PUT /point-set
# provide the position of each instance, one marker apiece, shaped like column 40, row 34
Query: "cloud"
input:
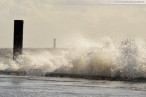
column 79, row 2
column 43, row 21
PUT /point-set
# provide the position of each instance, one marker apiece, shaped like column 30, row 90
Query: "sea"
column 125, row 62
column 32, row 86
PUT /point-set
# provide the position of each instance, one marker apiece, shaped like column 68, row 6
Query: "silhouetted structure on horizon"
column 54, row 43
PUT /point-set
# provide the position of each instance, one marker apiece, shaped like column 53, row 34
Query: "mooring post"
column 18, row 38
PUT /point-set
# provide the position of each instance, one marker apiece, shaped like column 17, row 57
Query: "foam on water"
column 126, row 60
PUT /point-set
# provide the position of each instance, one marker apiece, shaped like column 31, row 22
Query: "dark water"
column 14, row 86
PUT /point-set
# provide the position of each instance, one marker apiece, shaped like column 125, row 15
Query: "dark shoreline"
column 71, row 75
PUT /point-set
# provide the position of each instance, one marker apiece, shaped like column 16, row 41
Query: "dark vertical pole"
column 54, row 45
column 18, row 38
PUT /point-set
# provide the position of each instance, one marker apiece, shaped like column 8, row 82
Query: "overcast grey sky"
column 70, row 24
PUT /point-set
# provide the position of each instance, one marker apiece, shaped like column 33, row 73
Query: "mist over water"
column 127, row 59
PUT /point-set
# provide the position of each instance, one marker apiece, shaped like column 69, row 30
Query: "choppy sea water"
column 28, row 86
column 127, row 61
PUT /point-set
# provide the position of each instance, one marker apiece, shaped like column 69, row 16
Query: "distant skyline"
column 71, row 25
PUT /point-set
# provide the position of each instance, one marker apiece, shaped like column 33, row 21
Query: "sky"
column 71, row 22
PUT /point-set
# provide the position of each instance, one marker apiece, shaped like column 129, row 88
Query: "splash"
column 127, row 60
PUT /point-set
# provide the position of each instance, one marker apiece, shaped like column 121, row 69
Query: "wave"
column 128, row 60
